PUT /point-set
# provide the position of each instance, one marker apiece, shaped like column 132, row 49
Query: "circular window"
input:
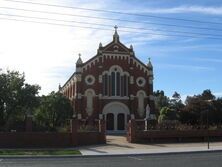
column 89, row 79
column 140, row 81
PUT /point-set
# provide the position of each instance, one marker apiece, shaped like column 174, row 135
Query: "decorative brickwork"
column 114, row 77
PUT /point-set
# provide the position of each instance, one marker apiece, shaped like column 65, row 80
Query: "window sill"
column 116, row 97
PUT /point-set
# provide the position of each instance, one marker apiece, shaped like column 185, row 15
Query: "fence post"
column 74, row 132
column 131, row 134
column 102, row 130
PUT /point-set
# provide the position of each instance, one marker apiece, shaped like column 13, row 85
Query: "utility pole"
column 208, row 140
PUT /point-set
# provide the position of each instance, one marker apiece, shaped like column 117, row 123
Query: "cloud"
column 218, row 94
column 183, row 9
column 212, row 60
column 46, row 53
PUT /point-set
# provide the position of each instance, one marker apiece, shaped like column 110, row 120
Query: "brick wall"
column 34, row 139
column 53, row 139
column 137, row 136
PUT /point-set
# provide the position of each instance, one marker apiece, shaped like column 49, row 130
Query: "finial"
column 149, row 63
column 79, row 61
column 100, row 44
column 116, row 28
column 116, row 36
column 60, row 86
column 131, row 47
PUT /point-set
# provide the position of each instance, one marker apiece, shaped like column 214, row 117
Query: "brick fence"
column 138, row 136
column 53, row 139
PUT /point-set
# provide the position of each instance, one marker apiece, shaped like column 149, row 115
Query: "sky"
column 182, row 38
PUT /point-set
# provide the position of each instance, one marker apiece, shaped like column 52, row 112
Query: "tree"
column 16, row 99
column 160, row 100
column 207, row 95
column 53, row 111
column 216, row 115
column 198, row 107
column 176, row 102
column 167, row 113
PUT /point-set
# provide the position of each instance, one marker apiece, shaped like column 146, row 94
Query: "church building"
column 113, row 85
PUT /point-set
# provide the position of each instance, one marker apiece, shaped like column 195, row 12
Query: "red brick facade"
column 113, row 85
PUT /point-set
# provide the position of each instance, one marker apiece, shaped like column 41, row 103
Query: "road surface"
column 209, row 159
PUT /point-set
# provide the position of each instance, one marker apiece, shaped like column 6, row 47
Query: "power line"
column 115, row 12
column 106, row 29
column 107, row 25
column 114, row 19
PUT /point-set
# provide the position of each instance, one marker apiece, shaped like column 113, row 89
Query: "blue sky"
column 47, row 53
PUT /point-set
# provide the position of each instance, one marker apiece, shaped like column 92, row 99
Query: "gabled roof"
column 117, row 47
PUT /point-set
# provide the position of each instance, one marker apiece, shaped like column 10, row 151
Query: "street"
column 166, row 160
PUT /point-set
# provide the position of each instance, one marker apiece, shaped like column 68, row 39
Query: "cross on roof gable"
column 115, row 47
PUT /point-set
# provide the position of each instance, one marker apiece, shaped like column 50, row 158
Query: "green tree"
column 167, row 113
column 160, row 100
column 207, row 95
column 198, row 107
column 53, row 111
column 16, row 99
column 176, row 102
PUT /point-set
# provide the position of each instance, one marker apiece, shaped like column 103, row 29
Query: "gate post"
column 102, row 131
column 131, row 131
column 74, row 132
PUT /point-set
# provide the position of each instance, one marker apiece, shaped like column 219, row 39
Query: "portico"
column 115, row 114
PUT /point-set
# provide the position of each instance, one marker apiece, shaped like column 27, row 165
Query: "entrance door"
column 121, row 121
column 116, row 116
column 110, row 121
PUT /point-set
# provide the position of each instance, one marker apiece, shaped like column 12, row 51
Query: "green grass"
column 40, row 152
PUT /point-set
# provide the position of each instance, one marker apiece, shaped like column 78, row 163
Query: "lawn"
column 39, row 152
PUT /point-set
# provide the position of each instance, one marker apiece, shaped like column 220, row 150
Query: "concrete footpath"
column 117, row 145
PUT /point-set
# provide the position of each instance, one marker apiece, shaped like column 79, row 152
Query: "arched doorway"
column 121, row 122
column 116, row 116
column 110, row 121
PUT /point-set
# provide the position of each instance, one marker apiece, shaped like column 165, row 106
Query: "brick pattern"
column 53, row 139
column 115, row 53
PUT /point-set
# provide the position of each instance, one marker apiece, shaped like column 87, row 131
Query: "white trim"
column 119, row 69
column 141, row 106
column 143, row 81
column 92, row 77
column 90, row 90
column 79, row 116
column 125, row 111
column 151, row 97
column 100, row 78
column 151, row 80
column 79, row 95
column 116, row 97
column 141, row 91
column 89, row 101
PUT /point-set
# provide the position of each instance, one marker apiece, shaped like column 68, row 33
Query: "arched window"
column 115, row 82
column 141, row 108
column 125, row 85
column 105, row 85
column 89, row 101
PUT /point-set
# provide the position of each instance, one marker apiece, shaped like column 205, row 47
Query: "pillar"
column 131, row 133
column 74, row 132
column 102, row 130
